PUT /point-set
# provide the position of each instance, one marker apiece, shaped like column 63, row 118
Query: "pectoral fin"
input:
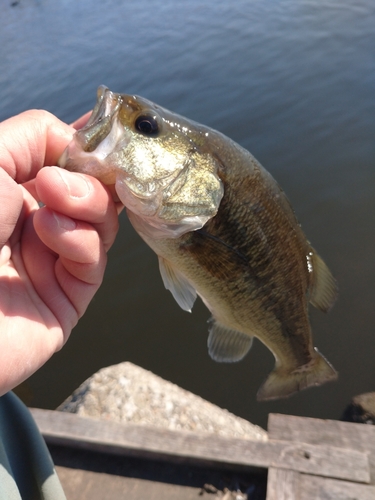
column 323, row 291
column 226, row 345
column 174, row 281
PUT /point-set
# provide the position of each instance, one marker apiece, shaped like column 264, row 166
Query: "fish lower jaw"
column 89, row 166
column 76, row 160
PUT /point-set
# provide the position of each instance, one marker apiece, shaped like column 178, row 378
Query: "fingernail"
column 76, row 184
column 64, row 222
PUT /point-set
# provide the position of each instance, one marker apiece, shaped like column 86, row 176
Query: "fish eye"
column 147, row 125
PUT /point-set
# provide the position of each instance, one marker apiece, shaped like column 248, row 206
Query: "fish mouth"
column 98, row 139
column 101, row 121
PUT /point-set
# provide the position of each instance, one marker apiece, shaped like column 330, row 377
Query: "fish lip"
column 100, row 94
column 91, row 146
column 101, row 122
column 105, row 100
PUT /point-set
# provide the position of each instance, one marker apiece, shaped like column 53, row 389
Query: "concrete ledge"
column 130, row 394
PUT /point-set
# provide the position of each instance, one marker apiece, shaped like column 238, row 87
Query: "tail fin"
column 281, row 384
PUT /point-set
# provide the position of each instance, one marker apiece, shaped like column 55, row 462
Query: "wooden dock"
column 303, row 459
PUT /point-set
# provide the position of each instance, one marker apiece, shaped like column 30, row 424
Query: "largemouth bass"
column 222, row 228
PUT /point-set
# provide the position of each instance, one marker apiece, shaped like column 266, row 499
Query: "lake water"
column 293, row 81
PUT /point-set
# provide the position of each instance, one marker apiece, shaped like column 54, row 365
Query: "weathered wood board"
column 314, row 487
column 293, row 485
column 306, row 459
column 283, row 484
column 345, row 435
column 209, row 449
column 87, row 474
column 88, row 485
column 290, row 485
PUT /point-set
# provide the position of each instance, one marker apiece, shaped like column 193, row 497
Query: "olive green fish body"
column 222, row 228
column 249, row 264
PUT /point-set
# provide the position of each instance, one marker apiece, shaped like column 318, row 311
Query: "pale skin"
column 52, row 259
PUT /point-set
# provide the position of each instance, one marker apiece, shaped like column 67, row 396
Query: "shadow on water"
column 293, row 82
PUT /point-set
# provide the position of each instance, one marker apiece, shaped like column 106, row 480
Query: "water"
column 292, row 81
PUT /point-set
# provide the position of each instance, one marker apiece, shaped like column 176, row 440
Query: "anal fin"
column 323, row 291
column 227, row 345
column 174, row 281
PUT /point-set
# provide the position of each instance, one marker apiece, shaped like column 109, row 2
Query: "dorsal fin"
column 227, row 345
column 174, row 281
column 323, row 290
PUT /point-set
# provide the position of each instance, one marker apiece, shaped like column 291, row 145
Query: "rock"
column 361, row 409
column 129, row 393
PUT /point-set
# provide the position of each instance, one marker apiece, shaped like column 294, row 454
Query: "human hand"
column 52, row 259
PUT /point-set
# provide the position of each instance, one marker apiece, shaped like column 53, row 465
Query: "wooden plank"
column 314, row 487
column 87, row 485
column 283, row 484
column 344, row 435
column 134, row 440
column 291, row 485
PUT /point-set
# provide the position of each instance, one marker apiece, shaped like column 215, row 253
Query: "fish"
column 222, row 228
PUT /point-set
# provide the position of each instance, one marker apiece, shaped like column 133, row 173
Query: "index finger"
column 30, row 141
